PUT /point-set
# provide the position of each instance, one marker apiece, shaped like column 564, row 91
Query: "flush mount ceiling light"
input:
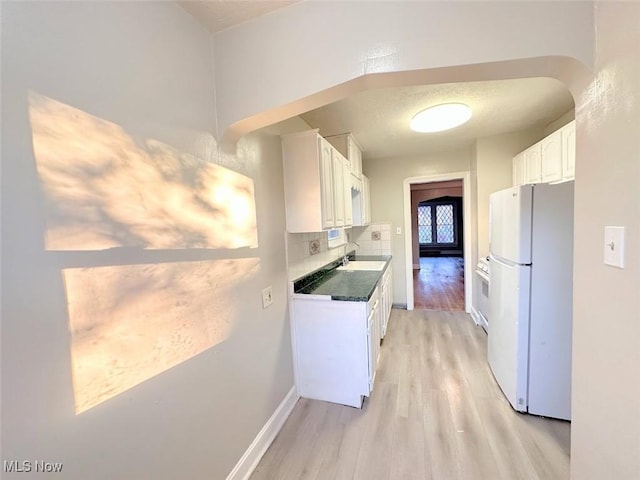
column 441, row 117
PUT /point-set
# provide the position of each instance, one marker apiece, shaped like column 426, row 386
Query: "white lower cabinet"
column 335, row 349
column 373, row 336
column 386, row 297
column 336, row 345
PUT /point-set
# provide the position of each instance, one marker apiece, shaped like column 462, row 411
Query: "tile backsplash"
column 372, row 240
column 307, row 252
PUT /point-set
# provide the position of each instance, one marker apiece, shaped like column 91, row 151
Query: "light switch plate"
column 614, row 246
column 398, row 231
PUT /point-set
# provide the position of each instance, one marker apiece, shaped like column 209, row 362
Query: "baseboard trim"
column 249, row 461
column 479, row 319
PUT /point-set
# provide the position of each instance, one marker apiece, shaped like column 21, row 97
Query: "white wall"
column 560, row 122
column 386, row 176
column 302, row 51
column 147, row 68
column 494, row 172
column 605, row 440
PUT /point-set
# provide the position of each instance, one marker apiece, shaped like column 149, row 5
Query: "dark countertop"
column 344, row 285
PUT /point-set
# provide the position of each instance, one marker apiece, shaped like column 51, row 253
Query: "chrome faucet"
column 345, row 260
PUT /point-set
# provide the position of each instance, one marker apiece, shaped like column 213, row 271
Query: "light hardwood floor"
column 439, row 284
column 435, row 413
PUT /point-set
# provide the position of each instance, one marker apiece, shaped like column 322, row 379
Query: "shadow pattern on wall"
column 102, row 191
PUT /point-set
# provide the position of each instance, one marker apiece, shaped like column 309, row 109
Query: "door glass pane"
column 424, row 224
column 444, row 223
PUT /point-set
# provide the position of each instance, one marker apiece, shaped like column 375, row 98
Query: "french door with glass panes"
column 437, row 223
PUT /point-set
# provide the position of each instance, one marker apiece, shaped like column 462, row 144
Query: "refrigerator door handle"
column 505, row 262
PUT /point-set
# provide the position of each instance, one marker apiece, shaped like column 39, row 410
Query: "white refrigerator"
column 531, row 290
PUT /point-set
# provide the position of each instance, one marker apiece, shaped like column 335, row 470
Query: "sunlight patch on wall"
column 130, row 323
column 103, row 189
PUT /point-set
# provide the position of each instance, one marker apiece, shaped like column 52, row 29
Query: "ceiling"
column 379, row 118
column 218, row 15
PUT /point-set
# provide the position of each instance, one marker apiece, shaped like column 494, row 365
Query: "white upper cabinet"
column 314, row 183
column 348, row 206
column 518, row 169
column 366, row 201
column 355, row 157
column 550, row 160
column 533, row 165
column 569, row 151
column 327, row 197
column 357, row 190
column 361, row 202
column 551, row 157
column 346, row 144
column 337, row 166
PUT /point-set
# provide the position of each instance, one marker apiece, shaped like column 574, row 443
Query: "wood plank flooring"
column 439, row 284
column 435, row 413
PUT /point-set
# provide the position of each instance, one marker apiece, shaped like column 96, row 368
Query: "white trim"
column 249, row 461
column 408, row 247
column 479, row 319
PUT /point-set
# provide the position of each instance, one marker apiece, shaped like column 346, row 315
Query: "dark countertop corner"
column 343, row 285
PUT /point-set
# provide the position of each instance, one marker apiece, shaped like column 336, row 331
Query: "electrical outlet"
column 267, row 297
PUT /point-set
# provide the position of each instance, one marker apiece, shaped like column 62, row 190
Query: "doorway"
column 438, row 266
column 437, row 244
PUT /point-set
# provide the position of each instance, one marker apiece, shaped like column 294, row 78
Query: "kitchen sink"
column 371, row 265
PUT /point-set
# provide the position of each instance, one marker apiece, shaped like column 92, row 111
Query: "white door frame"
column 466, row 231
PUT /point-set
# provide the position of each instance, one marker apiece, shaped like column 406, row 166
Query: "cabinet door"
column 569, row 151
column 371, row 344
column 326, row 184
column 355, row 157
column 366, row 201
column 551, row 157
column 532, row 162
column 356, row 202
column 518, row 169
column 389, row 298
column 348, row 206
column 337, row 167
column 377, row 312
